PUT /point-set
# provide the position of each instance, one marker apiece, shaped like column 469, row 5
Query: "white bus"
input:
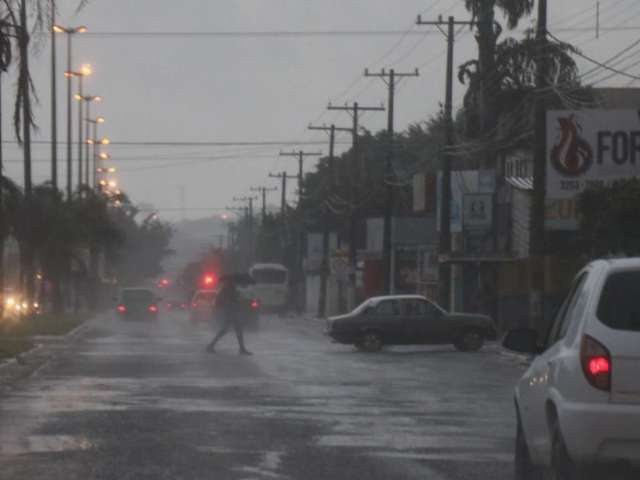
column 271, row 285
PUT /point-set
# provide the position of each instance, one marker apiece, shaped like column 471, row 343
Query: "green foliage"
column 45, row 324
column 269, row 242
column 514, row 10
column 144, row 245
column 511, row 85
column 356, row 184
column 359, row 179
column 610, row 219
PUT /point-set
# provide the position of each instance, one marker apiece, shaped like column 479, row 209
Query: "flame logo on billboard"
column 572, row 155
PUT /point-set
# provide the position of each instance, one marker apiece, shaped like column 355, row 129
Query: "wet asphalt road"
column 143, row 401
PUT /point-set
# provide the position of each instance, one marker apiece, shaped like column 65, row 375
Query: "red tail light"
column 596, row 363
column 153, row 308
column 255, row 304
column 122, row 309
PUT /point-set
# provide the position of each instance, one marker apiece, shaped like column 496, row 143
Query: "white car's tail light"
column 596, row 363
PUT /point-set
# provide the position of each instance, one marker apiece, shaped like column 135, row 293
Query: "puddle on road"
column 45, row 444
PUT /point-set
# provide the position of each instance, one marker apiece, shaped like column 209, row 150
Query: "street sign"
column 477, row 210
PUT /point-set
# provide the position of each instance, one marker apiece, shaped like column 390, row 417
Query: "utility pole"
column 331, row 130
column 357, row 174
column 389, row 78
column 231, row 241
column 300, row 155
column 445, row 185
column 537, row 225
column 182, row 195
column 249, row 201
column 263, row 191
column 354, row 110
column 283, row 212
column 326, row 227
column 300, row 283
column 283, row 200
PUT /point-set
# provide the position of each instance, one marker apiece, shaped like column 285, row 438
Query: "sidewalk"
column 45, row 347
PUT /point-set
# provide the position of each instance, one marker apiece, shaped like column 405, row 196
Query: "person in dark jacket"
column 227, row 308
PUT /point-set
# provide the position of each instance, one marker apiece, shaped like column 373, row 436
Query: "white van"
column 271, row 285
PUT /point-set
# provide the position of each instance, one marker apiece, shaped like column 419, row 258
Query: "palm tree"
column 5, row 61
column 15, row 33
column 484, row 12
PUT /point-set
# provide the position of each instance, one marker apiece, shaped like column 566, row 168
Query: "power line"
column 596, row 62
column 265, row 143
column 124, row 35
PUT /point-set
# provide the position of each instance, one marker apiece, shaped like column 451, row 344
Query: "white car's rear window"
column 619, row 306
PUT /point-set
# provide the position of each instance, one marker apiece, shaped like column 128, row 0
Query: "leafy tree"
column 269, row 240
column 146, row 244
column 489, row 30
column 513, row 89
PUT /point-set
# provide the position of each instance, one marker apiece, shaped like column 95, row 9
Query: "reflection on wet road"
column 143, row 400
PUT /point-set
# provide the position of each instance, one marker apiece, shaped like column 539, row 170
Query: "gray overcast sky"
column 258, row 89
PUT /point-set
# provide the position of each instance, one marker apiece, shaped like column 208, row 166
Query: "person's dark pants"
column 230, row 321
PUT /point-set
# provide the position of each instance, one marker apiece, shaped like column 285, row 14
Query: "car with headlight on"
column 409, row 320
column 578, row 404
column 16, row 306
column 137, row 304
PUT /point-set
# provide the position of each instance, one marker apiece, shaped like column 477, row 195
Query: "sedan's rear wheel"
column 370, row 342
column 470, row 340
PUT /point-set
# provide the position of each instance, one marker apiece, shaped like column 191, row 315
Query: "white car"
column 578, row 404
column 202, row 305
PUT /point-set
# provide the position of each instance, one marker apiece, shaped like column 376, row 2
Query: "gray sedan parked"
column 409, row 320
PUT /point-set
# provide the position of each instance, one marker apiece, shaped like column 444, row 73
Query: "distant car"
column 176, row 305
column 16, row 307
column 137, row 304
column 409, row 320
column 201, row 309
column 578, row 404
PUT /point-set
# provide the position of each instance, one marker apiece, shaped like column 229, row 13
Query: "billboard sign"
column 590, row 148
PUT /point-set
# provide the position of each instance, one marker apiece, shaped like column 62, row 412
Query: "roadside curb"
column 40, row 342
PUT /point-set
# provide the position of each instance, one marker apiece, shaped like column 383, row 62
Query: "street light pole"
column 69, row 122
column 69, row 75
column 88, row 99
column 94, row 166
column 54, row 103
column 80, row 129
column 88, row 133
